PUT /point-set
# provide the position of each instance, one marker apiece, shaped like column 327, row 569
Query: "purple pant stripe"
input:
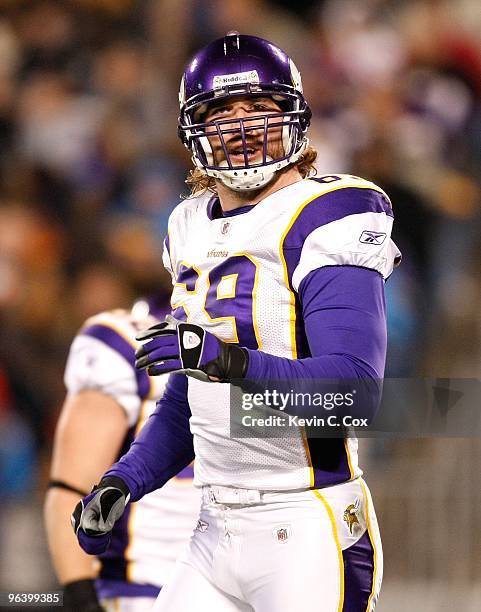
column 115, row 341
column 111, row 589
column 358, row 575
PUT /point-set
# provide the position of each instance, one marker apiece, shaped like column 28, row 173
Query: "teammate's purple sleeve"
column 164, row 445
column 344, row 321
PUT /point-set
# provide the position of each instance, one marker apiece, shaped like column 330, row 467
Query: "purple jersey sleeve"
column 163, row 447
column 344, row 322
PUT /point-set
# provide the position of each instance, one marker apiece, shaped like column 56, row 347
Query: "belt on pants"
column 230, row 495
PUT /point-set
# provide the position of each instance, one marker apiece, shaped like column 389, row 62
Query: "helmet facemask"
column 245, row 133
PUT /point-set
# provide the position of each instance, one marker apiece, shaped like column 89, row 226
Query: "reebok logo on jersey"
column 371, row 237
column 190, row 340
column 202, row 526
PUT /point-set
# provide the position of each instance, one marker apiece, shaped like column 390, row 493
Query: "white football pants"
column 316, row 550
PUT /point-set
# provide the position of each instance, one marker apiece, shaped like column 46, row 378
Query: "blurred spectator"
column 56, row 126
column 17, row 456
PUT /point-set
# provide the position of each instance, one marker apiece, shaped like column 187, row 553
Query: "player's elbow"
column 360, row 382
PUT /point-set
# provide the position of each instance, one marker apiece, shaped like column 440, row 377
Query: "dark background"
column 90, row 168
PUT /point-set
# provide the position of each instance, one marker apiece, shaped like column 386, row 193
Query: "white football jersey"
column 238, row 277
column 153, row 531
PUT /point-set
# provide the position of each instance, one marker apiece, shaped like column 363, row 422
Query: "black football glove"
column 81, row 595
column 185, row 347
column 95, row 515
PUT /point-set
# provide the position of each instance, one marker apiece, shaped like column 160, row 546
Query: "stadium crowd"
column 90, row 168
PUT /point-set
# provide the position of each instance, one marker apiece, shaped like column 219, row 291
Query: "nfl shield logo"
column 225, row 228
column 282, row 533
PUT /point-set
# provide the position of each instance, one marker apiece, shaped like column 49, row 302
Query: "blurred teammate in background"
column 107, row 404
column 279, row 277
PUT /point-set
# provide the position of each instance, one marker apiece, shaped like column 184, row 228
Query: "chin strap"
column 247, row 179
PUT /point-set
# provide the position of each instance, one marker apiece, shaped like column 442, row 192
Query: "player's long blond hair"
column 199, row 182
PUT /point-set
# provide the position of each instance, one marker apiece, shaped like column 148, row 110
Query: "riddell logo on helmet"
column 221, row 80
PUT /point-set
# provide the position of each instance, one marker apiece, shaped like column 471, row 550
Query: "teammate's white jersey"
column 153, row 531
column 238, row 277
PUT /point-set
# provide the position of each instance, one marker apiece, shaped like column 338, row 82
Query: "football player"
column 276, row 276
column 107, row 404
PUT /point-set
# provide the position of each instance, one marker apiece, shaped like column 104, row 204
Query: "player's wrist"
column 117, row 483
column 254, row 365
column 238, row 362
column 81, row 595
column 230, row 365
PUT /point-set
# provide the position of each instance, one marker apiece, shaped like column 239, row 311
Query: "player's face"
column 254, row 130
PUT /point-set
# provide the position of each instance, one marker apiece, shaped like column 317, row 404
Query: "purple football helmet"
column 153, row 305
column 240, row 65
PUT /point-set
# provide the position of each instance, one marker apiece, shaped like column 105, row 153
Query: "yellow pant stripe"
column 338, row 546
column 373, row 544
